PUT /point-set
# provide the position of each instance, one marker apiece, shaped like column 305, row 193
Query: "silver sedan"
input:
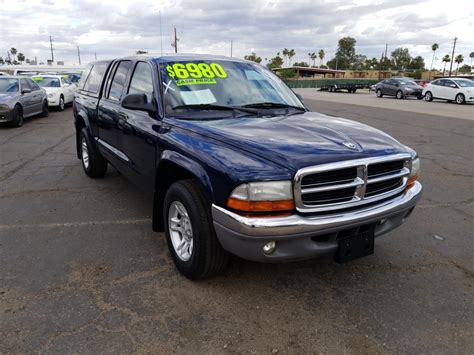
column 20, row 98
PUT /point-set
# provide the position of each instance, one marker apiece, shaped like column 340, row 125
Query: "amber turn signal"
column 411, row 182
column 260, row 206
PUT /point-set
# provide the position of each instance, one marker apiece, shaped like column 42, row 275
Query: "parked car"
column 237, row 165
column 60, row 90
column 459, row 90
column 21, row 98
column 399, row 87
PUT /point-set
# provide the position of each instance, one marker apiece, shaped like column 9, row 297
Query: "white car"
column 459, row 90
column 59, row 89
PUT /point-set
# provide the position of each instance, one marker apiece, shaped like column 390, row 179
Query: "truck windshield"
column 220, row 85
column 8, row 85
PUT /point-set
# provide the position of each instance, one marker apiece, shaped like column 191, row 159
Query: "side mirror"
column 25, row 90
column 138, row 102
column 453, row 85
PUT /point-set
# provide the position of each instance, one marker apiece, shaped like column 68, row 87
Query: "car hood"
column 5, row 97
column 51, row 90
column 301, row 140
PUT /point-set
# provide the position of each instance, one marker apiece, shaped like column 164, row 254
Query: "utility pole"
column 79, row 55
column 36, row 61
column 452, row 56
column 52, row 54
column 231, row 47
column 175, row 42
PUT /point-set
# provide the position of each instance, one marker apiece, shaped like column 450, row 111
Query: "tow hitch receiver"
column 356, row 245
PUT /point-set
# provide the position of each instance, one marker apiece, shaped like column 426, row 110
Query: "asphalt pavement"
column 81, row 270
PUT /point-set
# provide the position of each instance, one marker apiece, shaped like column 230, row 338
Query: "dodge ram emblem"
column 350, row 145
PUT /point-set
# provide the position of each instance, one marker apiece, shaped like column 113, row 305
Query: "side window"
column 84, row 76
column 64, row 82
column 449, row 83
column 118, row 82
column 142, row 81
column 95, row 78
column 24, row 84
column 33, row 85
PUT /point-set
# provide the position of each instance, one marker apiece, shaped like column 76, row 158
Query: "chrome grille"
column 350, row 183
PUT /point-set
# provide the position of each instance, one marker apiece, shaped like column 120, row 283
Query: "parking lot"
column 81, row 270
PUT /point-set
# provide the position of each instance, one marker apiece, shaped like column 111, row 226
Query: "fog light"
column 269, row 247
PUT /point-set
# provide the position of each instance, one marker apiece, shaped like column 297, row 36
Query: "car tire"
column 428, row 96
column 378, row 93
column 45, row 110
column 17, row 116
column 399, row 95
column 61, row 105
column 190, row 235
column 94, row 164
column 460, row 99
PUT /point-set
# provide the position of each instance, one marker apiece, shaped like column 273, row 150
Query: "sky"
column 114, row 28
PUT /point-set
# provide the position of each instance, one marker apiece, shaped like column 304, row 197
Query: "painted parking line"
column 75, row 224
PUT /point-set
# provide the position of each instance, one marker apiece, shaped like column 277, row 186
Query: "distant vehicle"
column 422, row 83
column 399, row 87
column 20, row 98
column 60, row 90
column 459, row 90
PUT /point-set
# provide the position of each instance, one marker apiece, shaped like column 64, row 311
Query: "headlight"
column 414, row 172
column 267, row 196
column 52, row 94
column 4, row 107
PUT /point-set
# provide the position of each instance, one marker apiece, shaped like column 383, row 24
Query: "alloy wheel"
column 180, row 230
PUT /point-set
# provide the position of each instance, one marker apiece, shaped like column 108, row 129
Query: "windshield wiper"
column 271, row 105
column 215, row 107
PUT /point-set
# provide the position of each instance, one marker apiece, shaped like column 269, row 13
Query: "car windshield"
column 465, row 83
column 8, row 85
column 45, row 82
column 220, row 85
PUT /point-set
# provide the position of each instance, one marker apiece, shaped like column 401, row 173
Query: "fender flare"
column 81, row 116
column 191, row 167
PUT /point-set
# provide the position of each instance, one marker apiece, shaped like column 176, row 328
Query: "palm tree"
column 446, row 59
column 321, row 56
column 13, row 52
column 21, row 58
column 434, row 48
column 459, row 59
column 291, row 54
column 285, row 53
column 313, row 57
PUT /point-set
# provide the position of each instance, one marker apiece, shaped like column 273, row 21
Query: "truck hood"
column 301, row 140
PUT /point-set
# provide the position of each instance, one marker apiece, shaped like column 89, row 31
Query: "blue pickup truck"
column 236, row 164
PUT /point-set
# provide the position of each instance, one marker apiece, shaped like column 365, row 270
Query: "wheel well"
column 167, row 173
column 80, row 124
column 19, row 105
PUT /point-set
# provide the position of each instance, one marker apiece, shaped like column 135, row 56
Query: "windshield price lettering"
column 196, row 71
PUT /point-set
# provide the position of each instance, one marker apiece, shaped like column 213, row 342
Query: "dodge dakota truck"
column 236, row 164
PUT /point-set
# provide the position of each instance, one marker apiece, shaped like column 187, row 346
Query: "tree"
column 434, row 48
column 465, row 69
column 141, row 52
column 2, row 61
column 253, row 57
column 287, row 73
column 417, row 63
column 291, row 53
column 13, row 51
column 446, row 59
column 300, row 64
column 458, row 60
column 275, row 62
column 345, row 54
column 401, row 58
column 358, row 63
column 321, row 56
column 285, row 52
column 471, row 55
column 21, row 57
column 371, row 63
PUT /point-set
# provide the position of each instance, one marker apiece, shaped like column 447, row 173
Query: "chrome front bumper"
column 295, row 234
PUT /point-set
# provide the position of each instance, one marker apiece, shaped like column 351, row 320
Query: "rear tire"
column 201, row 254
column 379, row 93
column 428, row 96
column 17, row 119
column 61, row 105
column 460, row 99
column 94, row 164
column 45, row 110
column 399, row 95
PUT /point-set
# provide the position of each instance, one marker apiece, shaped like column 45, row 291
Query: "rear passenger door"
column 110, row 115
column 139, row 129
column 37, row 96
column 26, row 99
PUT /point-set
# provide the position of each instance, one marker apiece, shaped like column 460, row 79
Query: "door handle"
column 124, row 126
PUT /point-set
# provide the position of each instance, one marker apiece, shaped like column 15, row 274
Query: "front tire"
column 460, row 99
column 61, row 105
column 399, row 95
column 379, row 93
column 94, row 164
column 17, row 119
column 190, row 234
column 428, row 96
column 45, row 110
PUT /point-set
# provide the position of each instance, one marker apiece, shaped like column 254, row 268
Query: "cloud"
column 117, row 28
